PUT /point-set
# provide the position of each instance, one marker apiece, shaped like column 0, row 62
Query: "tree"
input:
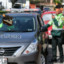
column 57, row 1
column 36, row 1
column 13, row 2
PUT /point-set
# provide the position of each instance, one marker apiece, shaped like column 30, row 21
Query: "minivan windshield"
column 20, row 24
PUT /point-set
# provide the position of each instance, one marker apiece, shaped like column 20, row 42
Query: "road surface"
column 50, row 55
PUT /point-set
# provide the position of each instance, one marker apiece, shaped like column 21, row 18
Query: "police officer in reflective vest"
column 57, row 25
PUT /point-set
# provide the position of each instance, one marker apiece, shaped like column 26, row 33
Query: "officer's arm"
column 63, row 20
column 49, row 24
column 44, row 28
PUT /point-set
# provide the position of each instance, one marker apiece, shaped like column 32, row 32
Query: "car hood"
column 16, row 39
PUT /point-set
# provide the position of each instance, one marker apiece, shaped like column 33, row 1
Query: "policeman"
column 57, row 25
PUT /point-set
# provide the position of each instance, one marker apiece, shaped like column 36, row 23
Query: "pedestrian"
column 57, row 25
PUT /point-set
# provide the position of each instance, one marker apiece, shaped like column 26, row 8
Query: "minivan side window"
column 40, row 22
column 39, row 25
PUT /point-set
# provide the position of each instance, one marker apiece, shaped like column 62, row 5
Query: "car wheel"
column 41, row 59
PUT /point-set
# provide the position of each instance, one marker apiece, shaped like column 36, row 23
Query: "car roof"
column 48, row 12
column 21, row 14
column 31, row 9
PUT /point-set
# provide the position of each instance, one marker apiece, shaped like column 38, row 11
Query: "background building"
column 21, row 1
column 25, row 3
column 43, row 3
column 6, row 3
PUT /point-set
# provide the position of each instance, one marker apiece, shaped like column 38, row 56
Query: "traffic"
column 26, row 33
column 21, row 38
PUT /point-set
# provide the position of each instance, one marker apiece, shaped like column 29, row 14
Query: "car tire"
column 41, row 59
column 44, row 50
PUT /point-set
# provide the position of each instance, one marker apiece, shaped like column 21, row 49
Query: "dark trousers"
column 57, row 41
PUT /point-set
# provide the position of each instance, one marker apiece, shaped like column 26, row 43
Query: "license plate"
column 3, row 60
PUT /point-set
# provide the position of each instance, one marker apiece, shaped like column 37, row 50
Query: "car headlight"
column 32, row 47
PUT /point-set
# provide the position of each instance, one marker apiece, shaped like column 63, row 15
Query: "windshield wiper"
column 26, row 31
column 11, row 31
column 15, row 31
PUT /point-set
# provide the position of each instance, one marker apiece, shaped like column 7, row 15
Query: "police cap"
column 58, row 6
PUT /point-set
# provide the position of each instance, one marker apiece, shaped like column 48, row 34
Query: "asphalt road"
column 50, row 55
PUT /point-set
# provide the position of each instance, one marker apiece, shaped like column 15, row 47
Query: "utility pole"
column 63, row 1
column 51, row 1
column 6, row 3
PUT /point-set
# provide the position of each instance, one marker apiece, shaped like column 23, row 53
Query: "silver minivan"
column 21, row 39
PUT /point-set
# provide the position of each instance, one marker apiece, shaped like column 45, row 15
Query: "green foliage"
column 57, row 1
column 3, row 12
column 35, row 1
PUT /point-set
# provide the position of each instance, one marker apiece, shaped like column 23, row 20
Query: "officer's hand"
column 44, row 28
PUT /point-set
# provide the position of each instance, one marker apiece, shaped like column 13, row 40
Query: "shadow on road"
column 49, row 56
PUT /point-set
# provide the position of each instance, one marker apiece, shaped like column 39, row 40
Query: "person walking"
column 57, row 25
